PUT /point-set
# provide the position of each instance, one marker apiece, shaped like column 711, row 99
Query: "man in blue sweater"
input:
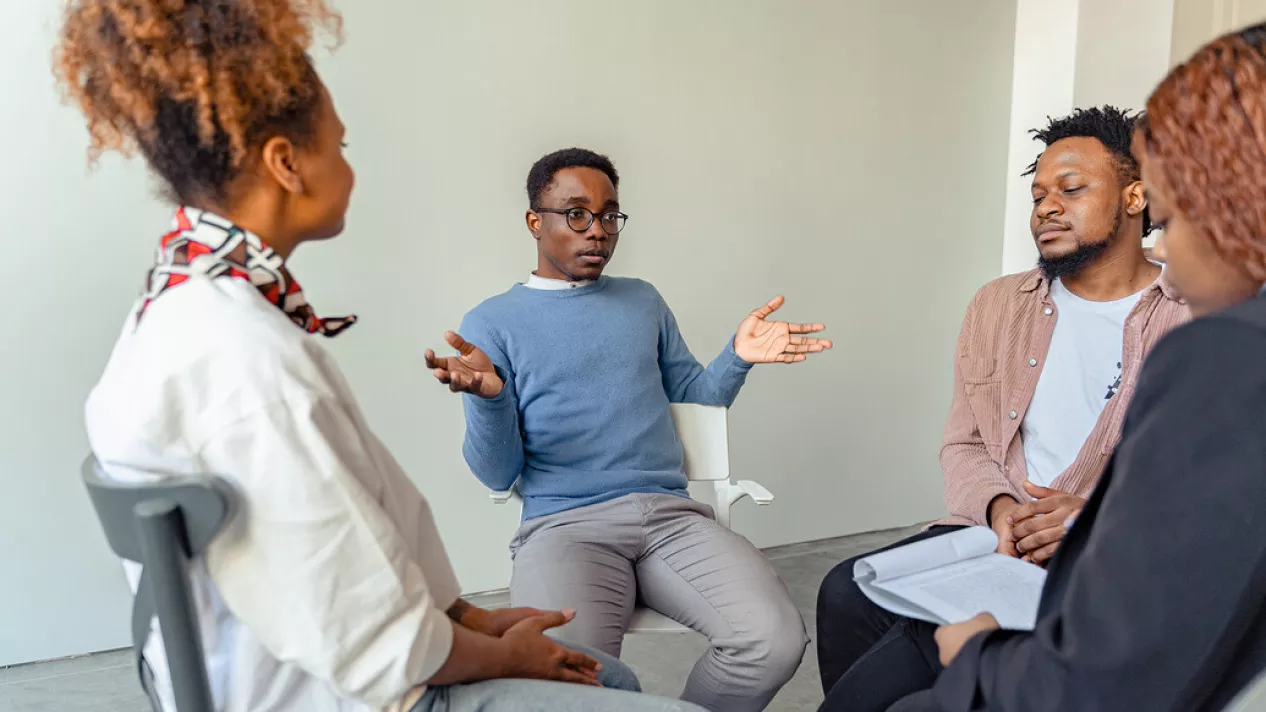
column 568, row 379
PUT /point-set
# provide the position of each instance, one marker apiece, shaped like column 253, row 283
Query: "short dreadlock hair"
column 1112, row 127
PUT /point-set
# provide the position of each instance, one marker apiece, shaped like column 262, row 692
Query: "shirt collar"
column 1168, row 289
column 1032, row 281
column 1035, row 280
column 544, row 283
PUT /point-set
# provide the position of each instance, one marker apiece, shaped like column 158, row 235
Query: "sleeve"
column 1174, row 565
column 493, row 446
column 425, row 537
column 972, row 478
column 685, row 379
column 312, row 565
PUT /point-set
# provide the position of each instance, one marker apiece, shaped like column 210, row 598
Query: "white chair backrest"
column 704, row 434
column 1251, row 698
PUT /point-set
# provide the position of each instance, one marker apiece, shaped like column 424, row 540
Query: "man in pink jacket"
column 1046, row 363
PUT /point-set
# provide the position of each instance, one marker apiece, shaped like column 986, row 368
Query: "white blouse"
column 328, row 590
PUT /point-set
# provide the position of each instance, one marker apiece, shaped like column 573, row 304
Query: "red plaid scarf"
column 206, row 244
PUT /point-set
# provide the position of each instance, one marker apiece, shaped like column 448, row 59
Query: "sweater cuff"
column 735, row 360
column 501, row 400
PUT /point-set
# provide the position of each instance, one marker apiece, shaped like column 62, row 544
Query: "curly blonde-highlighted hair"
column 1204, row 138
column 193, row 85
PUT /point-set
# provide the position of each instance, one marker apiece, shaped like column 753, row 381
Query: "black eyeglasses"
column 579, row 219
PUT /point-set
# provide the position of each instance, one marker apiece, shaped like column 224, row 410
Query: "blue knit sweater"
column 589, row 374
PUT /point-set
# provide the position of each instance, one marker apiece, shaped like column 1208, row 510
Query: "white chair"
column 705, row 441
column 1251, row 698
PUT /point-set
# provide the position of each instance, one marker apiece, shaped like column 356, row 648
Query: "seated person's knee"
column 839, row 593
column 775, row 647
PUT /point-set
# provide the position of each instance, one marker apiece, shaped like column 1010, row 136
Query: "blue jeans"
column 620, row 692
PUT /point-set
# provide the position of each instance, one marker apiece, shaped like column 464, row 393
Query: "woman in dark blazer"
column 1156, row 599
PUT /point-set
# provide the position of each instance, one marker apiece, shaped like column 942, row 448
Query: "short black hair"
column 1112, row 127
column 544, row 170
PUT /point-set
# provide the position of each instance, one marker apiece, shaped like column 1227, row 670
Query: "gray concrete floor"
column 106, row 682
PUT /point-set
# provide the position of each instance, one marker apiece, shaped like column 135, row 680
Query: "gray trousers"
column 669, row 554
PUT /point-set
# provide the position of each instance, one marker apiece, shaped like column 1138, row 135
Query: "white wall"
column 73, row 243
column 845, row 154
column 1123, row 51
column 1041, row 86
column 1075, row 53
column 1198, row 21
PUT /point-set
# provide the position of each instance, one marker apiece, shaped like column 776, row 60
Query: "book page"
column 926, row 554
column 1008, row 588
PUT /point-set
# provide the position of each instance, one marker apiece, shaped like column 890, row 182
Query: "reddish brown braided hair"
column 1205, row 137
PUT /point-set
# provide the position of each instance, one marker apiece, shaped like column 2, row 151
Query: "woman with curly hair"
column 331, row 589
column 1157, row 599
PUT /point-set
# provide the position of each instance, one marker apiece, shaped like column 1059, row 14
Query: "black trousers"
column 869, row 658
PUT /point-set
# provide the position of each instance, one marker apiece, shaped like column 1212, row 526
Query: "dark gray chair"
column 164, row 526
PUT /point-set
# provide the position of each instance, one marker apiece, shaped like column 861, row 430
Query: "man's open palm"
column 762, row 341
column 470, row 371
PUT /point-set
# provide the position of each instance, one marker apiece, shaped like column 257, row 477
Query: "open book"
column 953, row 577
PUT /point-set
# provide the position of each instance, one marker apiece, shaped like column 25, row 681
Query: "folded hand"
column 1039, row 526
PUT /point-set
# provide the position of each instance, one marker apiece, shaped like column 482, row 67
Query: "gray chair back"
column 164, row 526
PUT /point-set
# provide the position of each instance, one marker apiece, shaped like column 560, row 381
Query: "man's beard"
column 1084, row 254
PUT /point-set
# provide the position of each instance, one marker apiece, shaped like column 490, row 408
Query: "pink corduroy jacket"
column 1001, row 351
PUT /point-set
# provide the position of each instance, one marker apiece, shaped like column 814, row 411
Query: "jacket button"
column 1012, row 415
column 1032, row 363
column 1048, row 311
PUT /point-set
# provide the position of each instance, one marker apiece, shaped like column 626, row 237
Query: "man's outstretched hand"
column 762, row 341
column 470, row 371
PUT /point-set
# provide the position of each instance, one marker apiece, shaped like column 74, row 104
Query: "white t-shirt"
column 328, row 591
column 1082, row 372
